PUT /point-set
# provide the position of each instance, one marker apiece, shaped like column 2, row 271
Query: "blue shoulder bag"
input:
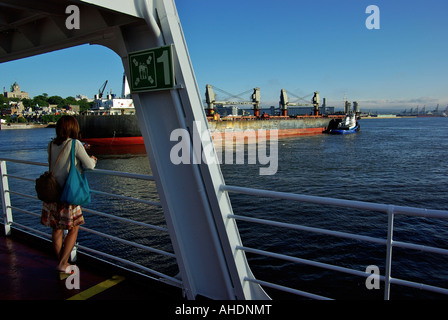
column 76, row 190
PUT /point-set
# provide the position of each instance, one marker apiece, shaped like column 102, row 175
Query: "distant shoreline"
column 388, row 117
column 24, row 126
column 399, row 117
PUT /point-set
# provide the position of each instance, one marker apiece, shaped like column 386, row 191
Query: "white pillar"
column 204, row 239
column 6, row 201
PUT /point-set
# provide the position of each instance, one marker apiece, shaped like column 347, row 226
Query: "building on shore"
column 16, row 92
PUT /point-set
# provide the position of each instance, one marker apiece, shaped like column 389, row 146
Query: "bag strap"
column 72, row 154
column 60, row 153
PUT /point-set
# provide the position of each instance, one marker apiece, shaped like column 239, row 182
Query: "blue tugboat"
column 347, row 125
column 343, row 126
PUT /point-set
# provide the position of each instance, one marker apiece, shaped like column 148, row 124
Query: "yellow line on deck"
column 100, row 287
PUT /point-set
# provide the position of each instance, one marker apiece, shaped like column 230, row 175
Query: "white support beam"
column 205, row 240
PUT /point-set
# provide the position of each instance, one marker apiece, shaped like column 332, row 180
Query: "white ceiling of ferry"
column 30, row 27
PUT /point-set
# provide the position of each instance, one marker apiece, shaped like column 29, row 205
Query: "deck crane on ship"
column 284, row 103
column 210, row 99
column 101, row 90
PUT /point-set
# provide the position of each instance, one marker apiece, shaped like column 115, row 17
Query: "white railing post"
column 6, row 201
column 390, row 230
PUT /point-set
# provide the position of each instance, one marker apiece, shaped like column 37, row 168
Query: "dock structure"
column 148, row 37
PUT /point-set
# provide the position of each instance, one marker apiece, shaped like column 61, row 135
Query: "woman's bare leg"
column 57, row 237
column 69, row 243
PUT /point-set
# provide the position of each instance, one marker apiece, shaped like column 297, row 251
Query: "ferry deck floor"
column 27, row 272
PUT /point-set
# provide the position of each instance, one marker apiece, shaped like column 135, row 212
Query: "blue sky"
column 300, row 46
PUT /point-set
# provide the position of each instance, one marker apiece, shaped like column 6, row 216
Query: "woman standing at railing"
column 62, row 216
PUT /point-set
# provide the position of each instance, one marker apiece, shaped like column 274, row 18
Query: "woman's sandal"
column 63, row 274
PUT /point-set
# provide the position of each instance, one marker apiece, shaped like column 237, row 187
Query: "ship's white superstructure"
column 115, row 106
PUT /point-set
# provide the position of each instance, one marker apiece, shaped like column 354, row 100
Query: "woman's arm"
column 87, row 162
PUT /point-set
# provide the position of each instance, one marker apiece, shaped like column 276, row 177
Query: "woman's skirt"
column 58, row 215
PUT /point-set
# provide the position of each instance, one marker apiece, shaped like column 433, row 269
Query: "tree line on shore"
column 39, row 102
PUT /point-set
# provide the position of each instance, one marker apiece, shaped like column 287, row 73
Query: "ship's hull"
column 124, row 129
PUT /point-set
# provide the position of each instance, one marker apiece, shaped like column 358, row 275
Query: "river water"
column 391, row 161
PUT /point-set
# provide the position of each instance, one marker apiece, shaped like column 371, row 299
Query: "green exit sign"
column 151, row 69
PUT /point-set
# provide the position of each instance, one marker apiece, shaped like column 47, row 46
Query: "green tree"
column 40, row 100
column 57, row 100
column 50, row 118
column 28, row 103
column 70, row 100
column 3, row 101
column 84, row 105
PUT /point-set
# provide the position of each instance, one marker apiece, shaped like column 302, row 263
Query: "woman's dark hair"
column 66, row 127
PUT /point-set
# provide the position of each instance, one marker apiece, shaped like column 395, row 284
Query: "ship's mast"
column 125, row 91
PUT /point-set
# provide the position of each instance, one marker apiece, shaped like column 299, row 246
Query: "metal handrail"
column 391, row 210
column 9, row 221
column 411, row 211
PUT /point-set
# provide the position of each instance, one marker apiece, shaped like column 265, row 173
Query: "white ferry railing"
column 8, row 209
column 390, row 210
